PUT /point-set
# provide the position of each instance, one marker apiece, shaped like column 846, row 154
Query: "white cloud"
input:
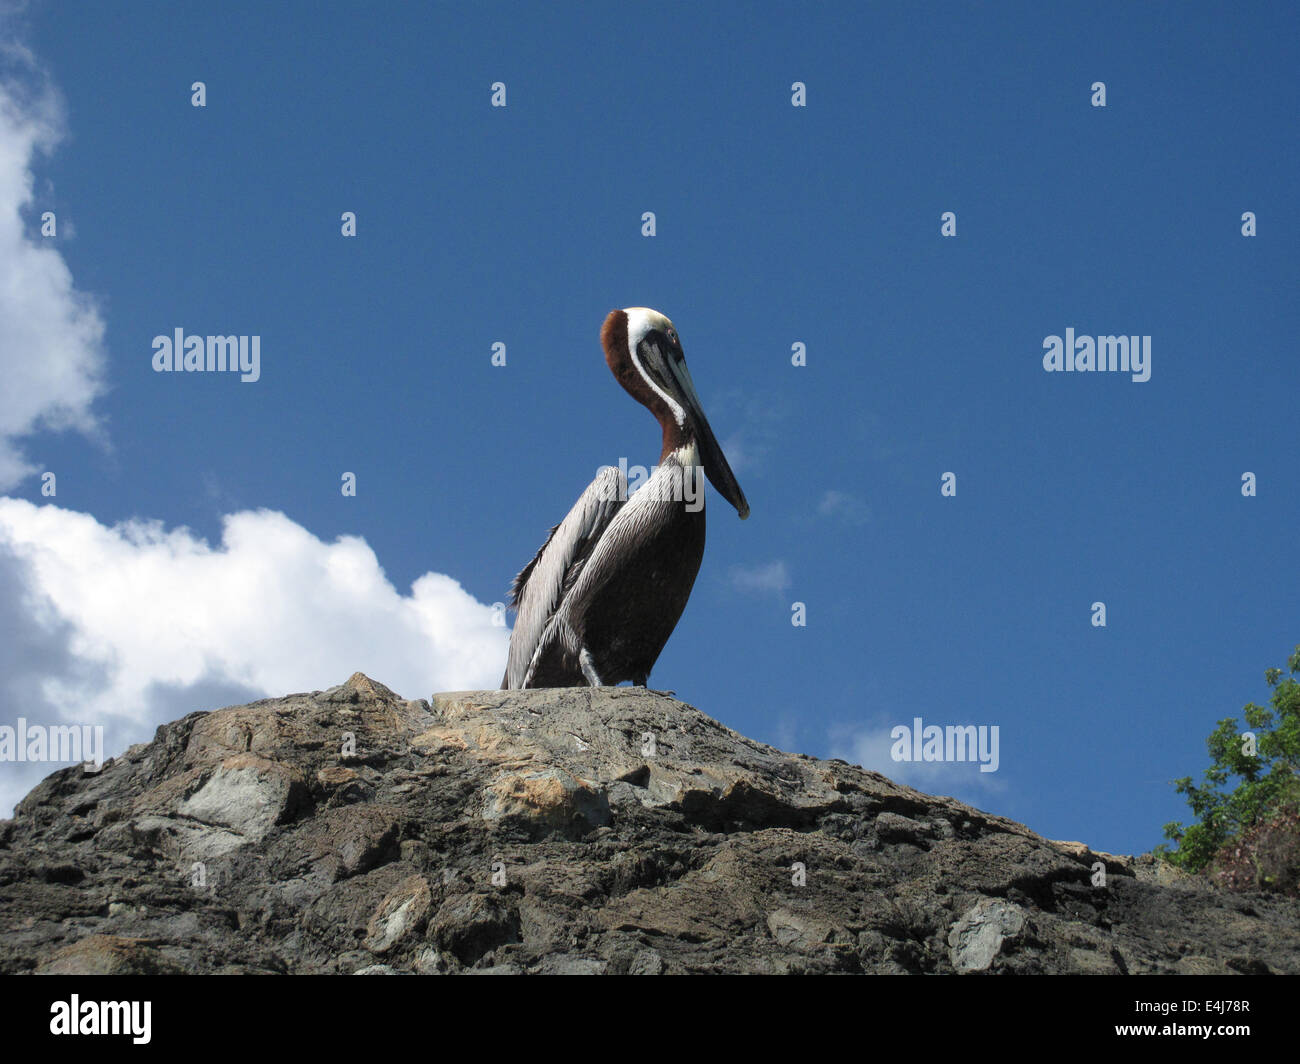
column 843, row 505
column 773, row 576
column 136, row 625
column 762, row 427
column 871, row 748
column 51, row 335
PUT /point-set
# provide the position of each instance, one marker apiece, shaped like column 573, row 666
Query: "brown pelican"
column 602, row 596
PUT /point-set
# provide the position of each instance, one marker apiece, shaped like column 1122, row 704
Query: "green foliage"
column 1232, row 824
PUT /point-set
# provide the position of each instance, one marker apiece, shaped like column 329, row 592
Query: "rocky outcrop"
column 564, row 831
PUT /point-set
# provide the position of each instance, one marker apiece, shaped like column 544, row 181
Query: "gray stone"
column 400, row 915
column 977, row 937
column 569, row 964
column 646, row 962
column 509, row 832
column 247, row 794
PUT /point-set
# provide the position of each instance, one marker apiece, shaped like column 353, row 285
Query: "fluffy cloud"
column 871, row 748
column 51, row 335
column 845, row 506
column 135, row 625
column 760, row 579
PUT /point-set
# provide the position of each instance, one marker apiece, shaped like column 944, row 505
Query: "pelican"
column 602, row 596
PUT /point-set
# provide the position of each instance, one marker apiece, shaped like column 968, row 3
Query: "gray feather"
column 540, row 586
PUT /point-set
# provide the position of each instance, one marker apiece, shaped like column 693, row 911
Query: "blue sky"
column 775, row 225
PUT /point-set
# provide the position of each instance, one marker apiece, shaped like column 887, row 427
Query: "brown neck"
column 675, row 436
column 613, row 338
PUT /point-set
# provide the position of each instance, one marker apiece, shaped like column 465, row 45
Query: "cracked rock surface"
column 568, row 831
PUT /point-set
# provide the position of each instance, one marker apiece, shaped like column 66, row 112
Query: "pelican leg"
column 589, row 668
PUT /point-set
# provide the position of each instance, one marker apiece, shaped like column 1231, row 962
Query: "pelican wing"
column 540, row 586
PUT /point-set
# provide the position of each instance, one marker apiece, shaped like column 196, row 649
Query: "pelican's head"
column 644, row 352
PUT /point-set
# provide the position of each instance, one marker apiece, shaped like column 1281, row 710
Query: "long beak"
column 715, row 462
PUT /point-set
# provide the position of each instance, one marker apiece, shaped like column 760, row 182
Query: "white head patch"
column 642, row 320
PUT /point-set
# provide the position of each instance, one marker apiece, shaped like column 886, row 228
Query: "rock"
column 646, row 962
column 469, row 925
column 1113, row 862
column 429, row 961
column 570, row 831
column 890, row 827
column 106, row 955
column 247, row 794
column 344, row 842
column 976, row 939
column 802, row 931
column 400, row 915
column 547, row 802
column 568, row 964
